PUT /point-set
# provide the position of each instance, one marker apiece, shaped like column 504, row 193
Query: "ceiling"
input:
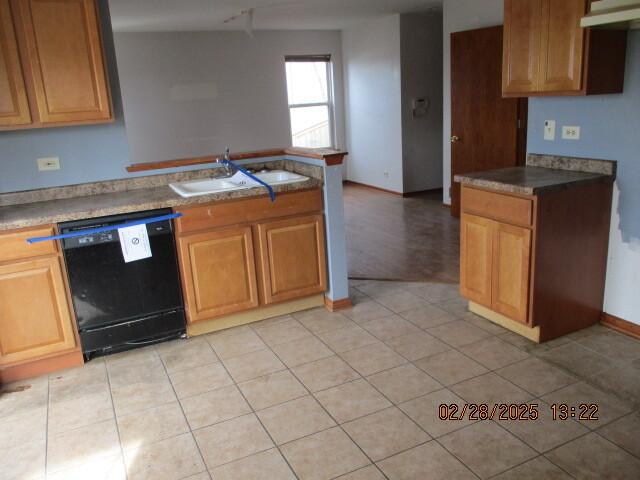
column 194, row 15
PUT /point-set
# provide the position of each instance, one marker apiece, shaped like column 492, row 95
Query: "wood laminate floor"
column 395, row 238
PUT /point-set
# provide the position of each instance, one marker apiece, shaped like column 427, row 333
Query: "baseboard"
column 422, row 192
column 333, row 305
column 620, row 325
column 371, row 187
column 392, row 192
column 12, row 373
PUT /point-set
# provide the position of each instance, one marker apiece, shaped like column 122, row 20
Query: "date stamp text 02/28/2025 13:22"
column 511, row 412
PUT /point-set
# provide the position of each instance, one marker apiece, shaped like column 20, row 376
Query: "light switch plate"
column 549, row 129
column 48, row 163
column 571, row 132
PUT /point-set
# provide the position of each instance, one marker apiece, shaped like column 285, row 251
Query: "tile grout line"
column 312, row 394
column 573, row 374
column 491, row 371
column 255, row 414
column 393, row 405
column 115, row 420
column 206, row 469
column 338, row 425
column 46, row 428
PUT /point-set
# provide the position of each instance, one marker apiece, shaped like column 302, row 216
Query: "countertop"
column 91, row 205
column 541, row 174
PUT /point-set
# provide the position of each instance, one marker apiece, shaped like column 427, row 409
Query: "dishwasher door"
column 105, row 289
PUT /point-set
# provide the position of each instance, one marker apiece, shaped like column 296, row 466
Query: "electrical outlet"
column 48, row 163
column 385, row 174
column 571, row 133
column 549, row 129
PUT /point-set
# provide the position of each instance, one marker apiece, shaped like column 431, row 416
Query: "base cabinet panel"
column 292, row 258
column 476, row 251
column 35, row 317
column 218, row 273
column 510, row 272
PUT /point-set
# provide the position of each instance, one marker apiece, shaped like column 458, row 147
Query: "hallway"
column 394, row 238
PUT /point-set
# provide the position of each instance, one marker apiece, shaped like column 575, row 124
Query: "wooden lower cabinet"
column 510, row 271
column 292, row 258
column 35, row 315
column 476, row 252
column 218, row 272
column 495, row 265
column 536, row 263
column 273, row 253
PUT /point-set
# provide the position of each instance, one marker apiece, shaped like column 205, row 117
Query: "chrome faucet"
column 228, row 171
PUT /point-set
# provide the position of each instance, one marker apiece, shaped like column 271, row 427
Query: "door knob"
column 455, row 138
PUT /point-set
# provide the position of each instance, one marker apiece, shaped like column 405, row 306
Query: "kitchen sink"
column 238, row 181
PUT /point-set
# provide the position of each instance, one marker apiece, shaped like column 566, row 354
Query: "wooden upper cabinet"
column 476, row 257
column 547, row 52
column 562, row 46
column 521, row 45
column 35, row 317
column 511, row 271
column 52, row 70
column 64, row 52
column 14, row 105
column 292, row 258
column 218, row 272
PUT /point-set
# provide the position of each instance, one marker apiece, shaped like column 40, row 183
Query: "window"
column 309, row 87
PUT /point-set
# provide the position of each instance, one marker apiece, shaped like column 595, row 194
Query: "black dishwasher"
column 122, row 305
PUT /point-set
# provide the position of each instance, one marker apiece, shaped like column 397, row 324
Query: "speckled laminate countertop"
column 129, row 196
column 542, row 174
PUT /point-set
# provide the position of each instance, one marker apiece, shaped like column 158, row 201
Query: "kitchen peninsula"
column 289, row 254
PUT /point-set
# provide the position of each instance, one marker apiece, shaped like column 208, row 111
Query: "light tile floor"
column 319, row 395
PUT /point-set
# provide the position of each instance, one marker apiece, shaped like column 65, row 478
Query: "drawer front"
column 236, row 212
column 505, row 208
column 14, row 246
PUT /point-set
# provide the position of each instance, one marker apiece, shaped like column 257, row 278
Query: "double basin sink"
column 238, row 181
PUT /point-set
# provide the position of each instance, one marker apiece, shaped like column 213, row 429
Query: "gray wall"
column 189, row 94
column 87, row 153
column 387, row 63
column 421, row 67
column 371, row 53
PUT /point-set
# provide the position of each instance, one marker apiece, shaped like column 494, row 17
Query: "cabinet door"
column 292, row 258
column 562, row 46
column 476, row 252
column 510, row 276
column 14, row 106
column 35, row 317
column 218, row 273
column 521, row 45
column 65, row 54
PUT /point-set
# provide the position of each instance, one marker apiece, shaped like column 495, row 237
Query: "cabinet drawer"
column 14, row 246
column 220, row 214
column 505, row 208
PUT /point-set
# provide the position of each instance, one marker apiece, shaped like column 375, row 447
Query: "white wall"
column 189, row 94
column 371, row 55
column 421, row 67
column 459, row 15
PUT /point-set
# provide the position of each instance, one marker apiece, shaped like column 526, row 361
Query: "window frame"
column 330, row 95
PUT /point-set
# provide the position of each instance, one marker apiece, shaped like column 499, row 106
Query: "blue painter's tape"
column 272, row 194
column 89, row 231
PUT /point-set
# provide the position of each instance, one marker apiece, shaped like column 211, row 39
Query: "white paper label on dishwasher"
column 134, row 242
